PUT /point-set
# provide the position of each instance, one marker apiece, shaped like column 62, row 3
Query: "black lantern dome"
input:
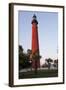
column 34, row 20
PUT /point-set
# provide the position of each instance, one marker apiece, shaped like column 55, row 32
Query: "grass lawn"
column 39, row 74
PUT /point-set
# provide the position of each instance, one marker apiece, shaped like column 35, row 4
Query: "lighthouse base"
column 35, row 63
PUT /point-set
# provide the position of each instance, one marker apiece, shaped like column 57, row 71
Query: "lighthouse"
column 35, row 43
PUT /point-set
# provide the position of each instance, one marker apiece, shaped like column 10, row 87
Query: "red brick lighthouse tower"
column 35, row 43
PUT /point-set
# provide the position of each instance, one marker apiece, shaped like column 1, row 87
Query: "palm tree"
column 49, row 60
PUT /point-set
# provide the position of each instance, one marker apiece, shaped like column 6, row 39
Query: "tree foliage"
column 56, row 63
column 49, row 60
column 24, row 61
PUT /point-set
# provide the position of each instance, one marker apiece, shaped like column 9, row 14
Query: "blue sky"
column 47, row 31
